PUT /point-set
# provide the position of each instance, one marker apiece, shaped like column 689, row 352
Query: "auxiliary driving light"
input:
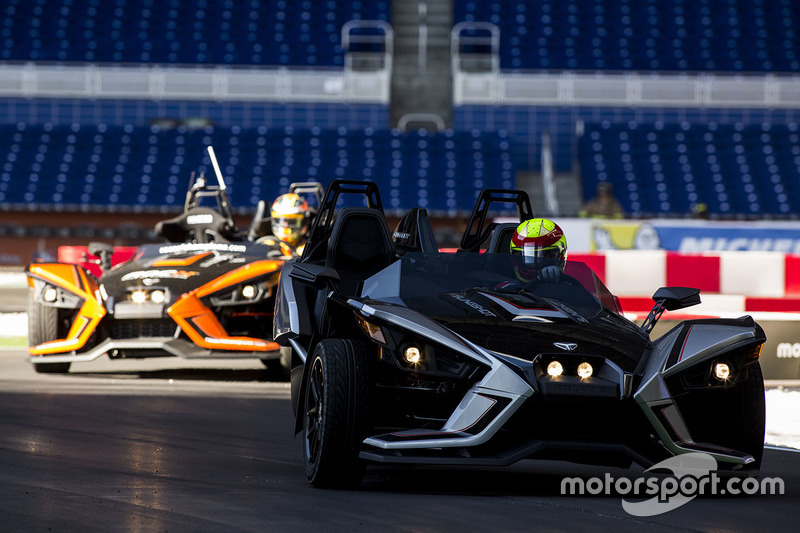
column 158, row 297
column 50, row 295
column 138, row 297
column 412, row 355
column 585, row 370
column 722, row 371
column 555, row 369
column 249, row 291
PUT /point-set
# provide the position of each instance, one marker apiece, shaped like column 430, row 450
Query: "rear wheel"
column 335, row 407
column 43, row 327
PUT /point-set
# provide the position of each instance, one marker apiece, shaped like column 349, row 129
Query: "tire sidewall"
column 343, row 414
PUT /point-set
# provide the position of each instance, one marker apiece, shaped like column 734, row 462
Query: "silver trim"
column 500, row 381
column 171, row 346
column 298, row 348
column 425, row 327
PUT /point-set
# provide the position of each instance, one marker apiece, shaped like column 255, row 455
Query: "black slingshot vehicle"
column 402, row 354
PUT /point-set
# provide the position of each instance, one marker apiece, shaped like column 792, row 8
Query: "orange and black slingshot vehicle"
column 206, row 292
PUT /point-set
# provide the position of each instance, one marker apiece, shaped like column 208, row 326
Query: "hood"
column 181, row 267
column 522, row 327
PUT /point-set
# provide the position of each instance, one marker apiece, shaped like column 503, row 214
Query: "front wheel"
column 43, row 327
column 335, row 407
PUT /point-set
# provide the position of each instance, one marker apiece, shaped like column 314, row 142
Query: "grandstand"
column 104, row 103
column 146, row 168
column 559, row 65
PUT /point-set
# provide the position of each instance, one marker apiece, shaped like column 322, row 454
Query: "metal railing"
column 32, row 80
column 478, row 79
column 627, row 89
column 475, row 47
column 352, row 84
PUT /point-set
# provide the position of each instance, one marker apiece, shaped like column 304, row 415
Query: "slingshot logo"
column 693, row 474
column 569, row 346
column 474, row 305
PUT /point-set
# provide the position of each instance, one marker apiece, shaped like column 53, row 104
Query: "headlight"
column 50, row 294
column 722, row 371
column 249, row 291
column 158, row 297
column 141, row 296
column 554, row 369
column 412, row 355
column 585, row 370
column 138, row 297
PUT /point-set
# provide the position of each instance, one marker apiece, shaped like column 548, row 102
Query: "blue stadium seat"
column 664, row 170
column 696, row 35
column 140, row 168
column 231, row 32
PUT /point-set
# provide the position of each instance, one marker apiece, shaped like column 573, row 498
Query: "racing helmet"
column 535, row 244
column 290, row 218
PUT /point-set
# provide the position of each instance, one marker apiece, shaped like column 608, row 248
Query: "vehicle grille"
column 139, row 328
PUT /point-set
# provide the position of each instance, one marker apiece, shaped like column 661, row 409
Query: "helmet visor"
column 288, row 221
column 532, row 254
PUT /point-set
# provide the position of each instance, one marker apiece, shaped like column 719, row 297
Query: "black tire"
column 43, row 327
column 335, row 409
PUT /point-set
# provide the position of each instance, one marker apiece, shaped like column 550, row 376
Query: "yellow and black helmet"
column 290, row 218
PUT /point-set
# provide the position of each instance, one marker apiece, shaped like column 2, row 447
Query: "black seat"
column 359, row 246
column 500, row 243
column 199, row 224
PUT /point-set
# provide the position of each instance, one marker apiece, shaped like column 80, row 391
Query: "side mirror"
column 670, row 299
column 673, row 298
column 316, row 275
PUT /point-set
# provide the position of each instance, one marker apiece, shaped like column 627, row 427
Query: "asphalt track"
column 167, row 445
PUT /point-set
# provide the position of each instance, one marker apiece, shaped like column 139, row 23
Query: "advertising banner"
column 696, row 236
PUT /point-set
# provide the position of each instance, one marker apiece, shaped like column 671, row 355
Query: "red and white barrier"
column 730, row 282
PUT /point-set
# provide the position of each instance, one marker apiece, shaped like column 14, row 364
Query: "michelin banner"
column 695, row 236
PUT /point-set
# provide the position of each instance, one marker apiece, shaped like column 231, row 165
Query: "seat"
column 359, row 246
column 200, row 224
column 415, row 234
column 500, row 243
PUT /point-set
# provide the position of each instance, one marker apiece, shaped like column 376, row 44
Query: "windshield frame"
column 417, row 275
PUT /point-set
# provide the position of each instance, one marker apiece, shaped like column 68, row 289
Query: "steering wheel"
column 564, row 278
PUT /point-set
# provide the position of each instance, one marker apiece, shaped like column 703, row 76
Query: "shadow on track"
column 188, row 374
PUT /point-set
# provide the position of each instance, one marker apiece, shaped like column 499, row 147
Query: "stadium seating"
column 101, row 167
column 227, row 32
column 663, row 169
column 645, row 35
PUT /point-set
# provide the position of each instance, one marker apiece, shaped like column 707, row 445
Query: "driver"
column 539, row 248
column 291, row 218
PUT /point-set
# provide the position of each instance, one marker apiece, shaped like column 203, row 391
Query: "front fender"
column 200, row 323
column 704, row 339
column 77, row 281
